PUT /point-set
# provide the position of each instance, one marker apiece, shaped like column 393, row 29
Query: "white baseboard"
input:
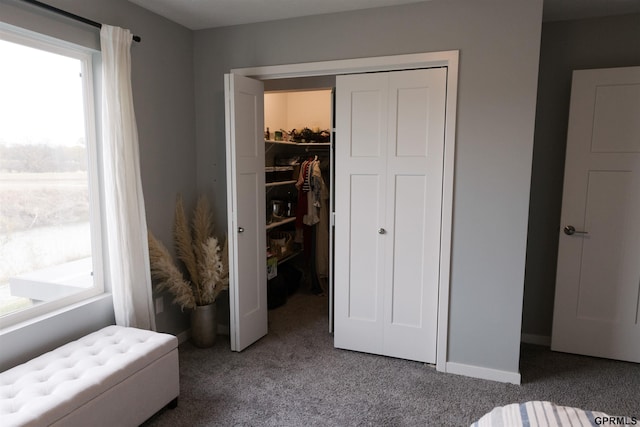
column 186, row 335
column 183, row 336
column 483, row 373
column 536, row 339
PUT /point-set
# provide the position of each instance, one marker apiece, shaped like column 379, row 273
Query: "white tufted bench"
column 116, row 376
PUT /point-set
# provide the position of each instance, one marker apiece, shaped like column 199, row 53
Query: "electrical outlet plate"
column 159, row 305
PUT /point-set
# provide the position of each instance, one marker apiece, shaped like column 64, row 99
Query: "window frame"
column 90, row 61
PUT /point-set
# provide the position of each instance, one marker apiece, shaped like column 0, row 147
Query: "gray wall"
column 499, row 46
column 162, row 76
column 566, row 46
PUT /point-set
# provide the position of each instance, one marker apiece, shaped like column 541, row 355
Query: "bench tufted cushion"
column 47, row 388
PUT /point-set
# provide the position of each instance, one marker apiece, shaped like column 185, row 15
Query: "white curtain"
column 126, row 224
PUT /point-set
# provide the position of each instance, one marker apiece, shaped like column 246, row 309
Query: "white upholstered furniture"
column 547, row 414
column 115, row 376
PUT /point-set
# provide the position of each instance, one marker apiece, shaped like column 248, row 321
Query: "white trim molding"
column 449, row 59
column 183, row 336
column 357, row 65
column 483, row 373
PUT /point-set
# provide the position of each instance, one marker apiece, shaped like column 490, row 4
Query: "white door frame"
column 447, row 59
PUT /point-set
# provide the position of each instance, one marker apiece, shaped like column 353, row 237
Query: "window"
column 50, row 222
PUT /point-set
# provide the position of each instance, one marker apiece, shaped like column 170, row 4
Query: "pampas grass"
column 202, row 226
column 184, row 242
column 211, row 270
column 199, row 250
column 167, row 275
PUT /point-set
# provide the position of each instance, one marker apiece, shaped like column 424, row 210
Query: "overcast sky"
column 40, row 97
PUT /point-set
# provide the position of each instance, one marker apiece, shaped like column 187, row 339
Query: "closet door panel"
column 407, row 277
column 366, row 122
column 359, row 247
column 414, row 176
column 410, row 289
column 400, row 263
column 246, row 210
column 252, row 201
column 412, row 128
column 364, row 281
column 249, row 150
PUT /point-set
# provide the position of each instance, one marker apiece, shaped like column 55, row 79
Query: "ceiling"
column 201, row 14
column 564, row 10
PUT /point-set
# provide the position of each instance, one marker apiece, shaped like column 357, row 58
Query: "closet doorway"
column 298, row 174
column 245, row 177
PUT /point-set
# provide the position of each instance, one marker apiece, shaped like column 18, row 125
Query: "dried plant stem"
column 184, row 246
column 202, row 225
column 211, row 271
column 167, row 275
column 199, row 251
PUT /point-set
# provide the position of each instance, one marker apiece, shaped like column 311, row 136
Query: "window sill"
column 55, row 282
column 30, row 338
column 56, row 313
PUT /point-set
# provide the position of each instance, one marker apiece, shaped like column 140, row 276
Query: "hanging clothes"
column 312, row 221
column 310, row 185
column 315, row 184
column 322, row 235
column 302, row 206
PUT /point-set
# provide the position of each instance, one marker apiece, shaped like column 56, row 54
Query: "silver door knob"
column 382, row 231
column 570, row 230
column 240, row 229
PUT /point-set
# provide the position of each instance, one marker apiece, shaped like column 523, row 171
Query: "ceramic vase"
column 204, row 325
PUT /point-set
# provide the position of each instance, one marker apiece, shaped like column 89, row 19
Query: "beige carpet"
column 294, row 377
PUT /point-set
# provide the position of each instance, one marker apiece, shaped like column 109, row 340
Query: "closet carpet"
column 294, row 377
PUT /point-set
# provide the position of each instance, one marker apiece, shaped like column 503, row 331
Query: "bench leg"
column 173, row 404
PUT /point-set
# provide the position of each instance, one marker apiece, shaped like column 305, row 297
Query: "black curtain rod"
column 70, row 15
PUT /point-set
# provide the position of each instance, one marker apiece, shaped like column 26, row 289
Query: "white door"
column 598, row 279
column 244, row 101
column 389, row 166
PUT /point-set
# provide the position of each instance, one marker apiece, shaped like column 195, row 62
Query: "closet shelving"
column 275, row 224
column 277, row 183
column 268, row 169
column 273, row 182
column 301, row 144
column 307, row 145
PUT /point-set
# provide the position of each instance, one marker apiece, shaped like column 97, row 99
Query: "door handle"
column 382, row 231
column 570, row 230
column 240, row 229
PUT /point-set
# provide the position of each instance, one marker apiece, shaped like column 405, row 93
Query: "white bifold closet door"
column 388, row 211
column 244, row 101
